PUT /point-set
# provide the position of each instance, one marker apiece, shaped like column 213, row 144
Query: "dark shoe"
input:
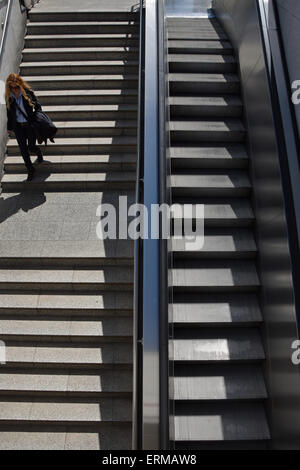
column 30, row 174
column 40, row 156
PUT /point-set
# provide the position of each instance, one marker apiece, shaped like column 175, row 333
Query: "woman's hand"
column 10, row 134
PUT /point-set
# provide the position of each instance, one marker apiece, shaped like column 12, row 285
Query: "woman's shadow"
column 26, row 200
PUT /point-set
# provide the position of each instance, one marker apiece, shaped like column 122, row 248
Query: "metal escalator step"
column 209, row 156
column 217, row 243
column 222, row 212
column 205, row 63
column 214, row 275
column 209, row 183
column 219, row 382
column 201, row 130
column 215, row 310
column 219, row 345
column 192, row 83
column 221, row 423
column 205, row 106
column 199, row 47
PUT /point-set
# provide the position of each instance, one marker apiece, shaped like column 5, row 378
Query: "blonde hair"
column 15, row 79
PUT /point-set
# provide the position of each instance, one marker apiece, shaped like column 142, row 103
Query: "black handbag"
column 42, row 125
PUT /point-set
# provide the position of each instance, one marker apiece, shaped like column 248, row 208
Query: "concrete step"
column 55, row 330
column 82, row 82
column 81, row 40
column 66, row 253
column 41, row 16
column 230, row 310
column 79, row 67
column 222, row 156
column 104, row 278
column 104, row 383
column 73, row 304
column 205, row 106
column 49, row 437
column 214, row 276
column 193, row 83
column 218, row 243
column 65, row 355
column 80, row 54
column 76, row 129
column 75, row 163
column 199, row 46
column 92, row 112
column 223, row 212
column 43, row 181
column 203, row 63
column 218, row 346
column 200, row 130
column 82, row 27
column 218, row 183
column 77, row 146
column 76, row 97
column 66, row 411
column 219, row 382
column 221, row 422
column 66, row 217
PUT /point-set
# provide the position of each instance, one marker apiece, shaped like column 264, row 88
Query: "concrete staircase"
column 65, row 295
column 219, row 388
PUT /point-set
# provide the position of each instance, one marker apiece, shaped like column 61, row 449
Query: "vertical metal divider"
column 151, row 281
column 151, row 362
column 164, row 198
column 137, row 397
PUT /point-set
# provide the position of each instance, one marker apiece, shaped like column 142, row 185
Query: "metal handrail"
column 150, row 370
column 286, row 132
column 138, row 255
column 5, row 27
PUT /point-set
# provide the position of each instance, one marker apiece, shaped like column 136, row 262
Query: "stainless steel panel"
column 289, row 16
column 188, row 8
column 151, row 246
column 240, row 20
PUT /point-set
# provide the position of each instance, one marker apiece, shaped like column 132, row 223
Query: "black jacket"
column 11, row 112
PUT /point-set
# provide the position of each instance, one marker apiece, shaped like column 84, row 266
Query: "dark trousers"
column 27, row 142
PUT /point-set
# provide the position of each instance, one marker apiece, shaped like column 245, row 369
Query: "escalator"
column 219, row 388
column 216, row 325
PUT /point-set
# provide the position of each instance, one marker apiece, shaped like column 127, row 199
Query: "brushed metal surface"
column 240, row 21
column 186, row 8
